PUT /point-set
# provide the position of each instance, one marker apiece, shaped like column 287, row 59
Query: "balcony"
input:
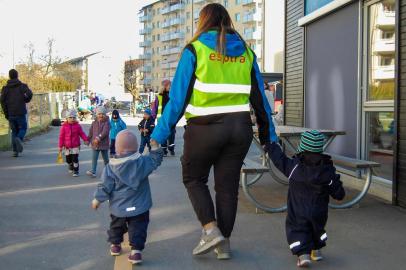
column 174, row 50
column 172, row 36
column 173, row 22
column 145, row 18
column 146, row 43
column 252, row 17
column 384, row 46
column 145, row 56
column 199, row 1
column 169, row 65
column 146, row 81
column 146, row 68
column 145, row 31
column 252, row 34
column 386, row 20
column 250, row 2
column 173, row 8
column 384, row 73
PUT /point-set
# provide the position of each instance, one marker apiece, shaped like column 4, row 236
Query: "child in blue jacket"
column 125, row 185
column 116, row 125
column 312, row 179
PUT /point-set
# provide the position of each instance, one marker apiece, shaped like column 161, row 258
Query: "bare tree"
column 49, row 59
column 132, row 78
column 31, row 54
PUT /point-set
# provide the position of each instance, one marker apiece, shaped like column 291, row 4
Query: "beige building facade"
column 169, row 24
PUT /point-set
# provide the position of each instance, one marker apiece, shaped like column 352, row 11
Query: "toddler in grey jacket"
column 125, row 185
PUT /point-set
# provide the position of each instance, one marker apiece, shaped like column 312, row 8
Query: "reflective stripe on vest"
column 159, row 113
column 222, row 85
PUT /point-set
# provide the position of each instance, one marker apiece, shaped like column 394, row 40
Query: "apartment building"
column 169, row 24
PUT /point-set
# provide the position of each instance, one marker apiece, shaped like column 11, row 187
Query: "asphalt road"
column 46, row 222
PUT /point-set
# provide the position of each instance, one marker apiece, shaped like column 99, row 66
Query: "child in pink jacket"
column 69, row 140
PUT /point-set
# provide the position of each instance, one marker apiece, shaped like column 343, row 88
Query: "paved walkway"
column 46, row 223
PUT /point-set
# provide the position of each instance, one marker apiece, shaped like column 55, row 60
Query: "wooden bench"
column 357, row 165
column 253, row 167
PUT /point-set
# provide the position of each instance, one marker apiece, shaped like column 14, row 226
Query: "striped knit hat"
column 311, row 141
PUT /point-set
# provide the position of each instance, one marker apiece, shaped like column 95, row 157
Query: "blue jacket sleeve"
column 174, row 109
column 149, row 163
column 105, row 188
column 262, row 108
column 123, row 124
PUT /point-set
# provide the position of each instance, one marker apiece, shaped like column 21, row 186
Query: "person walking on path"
column 158, row 108
column 69, row 140
column 125, row 184
column 14, row 97
column 216, row 80
column 99, row 138
column 312, row 180
column 116, row 125
column 146, row 127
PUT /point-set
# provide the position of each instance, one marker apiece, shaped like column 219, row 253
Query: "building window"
column 187, row 29
column 153, row 12
column 226, row 3
column 153, row 38
column 158, row 24
column 237, row 17
column 237, row 2
column 379, row 81
column 153, row 25
column 188, row 15
column 158, row 37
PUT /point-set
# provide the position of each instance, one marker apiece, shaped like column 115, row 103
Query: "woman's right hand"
column 154, row 144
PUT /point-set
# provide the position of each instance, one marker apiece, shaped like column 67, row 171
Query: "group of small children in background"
column 100, row 133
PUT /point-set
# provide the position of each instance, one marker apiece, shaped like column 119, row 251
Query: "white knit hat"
column 101, row 110
column 72, row 113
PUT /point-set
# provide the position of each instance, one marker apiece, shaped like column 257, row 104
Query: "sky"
column 79, row 27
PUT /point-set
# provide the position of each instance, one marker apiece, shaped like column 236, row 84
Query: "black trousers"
column 169, row 144
column 222, row 145
column 73, row 162
column 112, row 147
column 135, row 226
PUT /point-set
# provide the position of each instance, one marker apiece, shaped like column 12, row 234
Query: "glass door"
column 379, row 84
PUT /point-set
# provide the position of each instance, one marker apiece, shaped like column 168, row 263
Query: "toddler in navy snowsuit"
column 312, row 179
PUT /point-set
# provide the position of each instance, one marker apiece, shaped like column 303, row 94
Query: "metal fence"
column 40, row 112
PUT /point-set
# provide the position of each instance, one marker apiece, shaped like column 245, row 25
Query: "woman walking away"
column 216, row 80
column 116, row 125
column 69, row 140
column 99, row 138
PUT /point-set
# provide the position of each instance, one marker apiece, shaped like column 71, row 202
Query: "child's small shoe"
column 75, row 174
column 91, row 174
column 135, row 257
column 303, row 260
column 316, row 255
column 115, row 250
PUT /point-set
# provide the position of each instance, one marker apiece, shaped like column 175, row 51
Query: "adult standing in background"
column 158, row 109
column 216, row 80
column 14, row 97
column 269, row 93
